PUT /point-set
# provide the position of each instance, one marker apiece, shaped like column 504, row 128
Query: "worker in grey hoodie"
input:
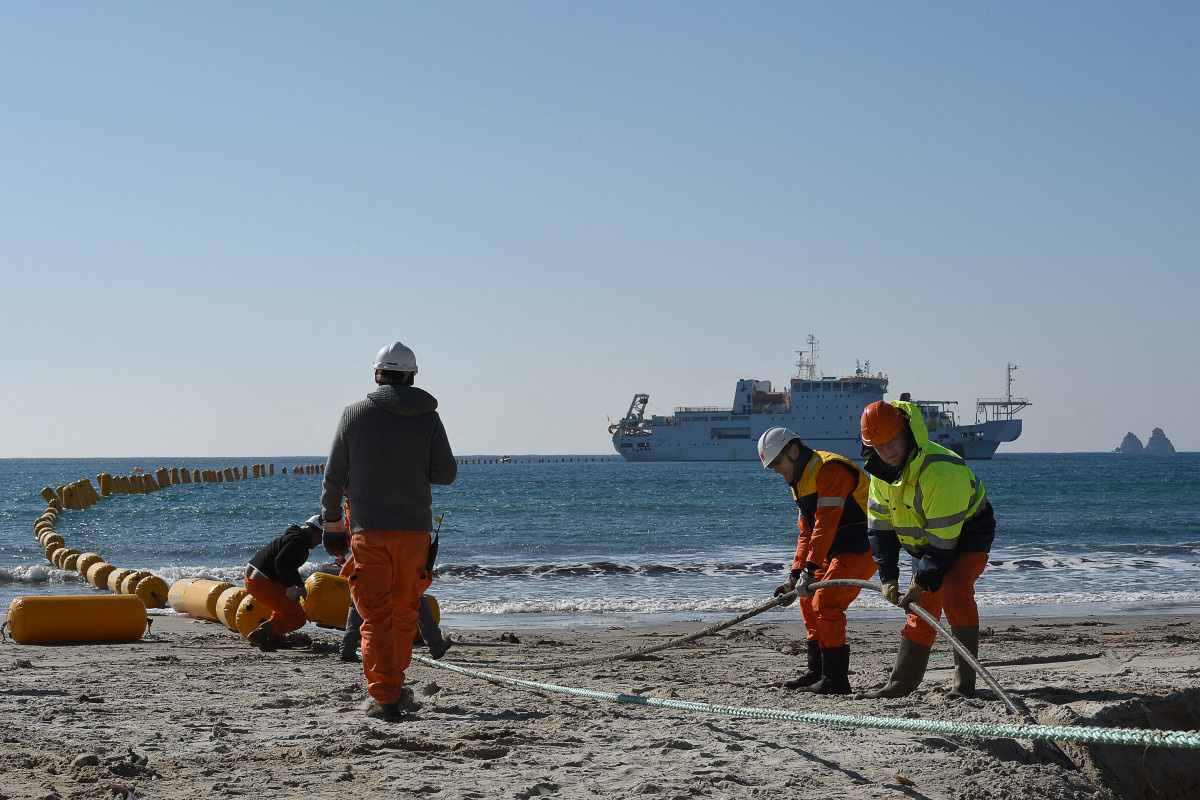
column 387, row 452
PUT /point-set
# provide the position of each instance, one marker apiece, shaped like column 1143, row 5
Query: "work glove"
column 336, row 526
column 787, row 586
column 806, row 577
column 296, row 592
column 891, row 592
column 913, row 595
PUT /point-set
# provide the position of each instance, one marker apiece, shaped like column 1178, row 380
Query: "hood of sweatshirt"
column 403, row 401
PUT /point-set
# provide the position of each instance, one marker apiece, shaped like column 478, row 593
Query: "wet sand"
column 192, row 711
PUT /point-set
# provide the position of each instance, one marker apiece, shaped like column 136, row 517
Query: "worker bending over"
column 831, row 493
column 273, row 578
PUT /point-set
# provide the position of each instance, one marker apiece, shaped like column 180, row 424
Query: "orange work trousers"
column 387, row 580
column 825, row 612
column 286, row 614
column 957, row 597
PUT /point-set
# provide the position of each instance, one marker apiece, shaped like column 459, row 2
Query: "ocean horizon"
column 590, row 540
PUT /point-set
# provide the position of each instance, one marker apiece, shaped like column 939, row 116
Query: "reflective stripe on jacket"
column 936, row 507
column 830, row 523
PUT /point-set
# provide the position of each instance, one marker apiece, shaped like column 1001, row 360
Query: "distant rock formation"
column 1159, row 443
column 1130, row 444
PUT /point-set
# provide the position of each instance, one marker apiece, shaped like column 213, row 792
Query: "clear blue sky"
column 213, row 214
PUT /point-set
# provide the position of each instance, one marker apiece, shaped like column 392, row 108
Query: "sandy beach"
column 192, row 711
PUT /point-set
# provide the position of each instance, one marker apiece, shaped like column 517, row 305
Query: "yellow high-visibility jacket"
column 933, row 507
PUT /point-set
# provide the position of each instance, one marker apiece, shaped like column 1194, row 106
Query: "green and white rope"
column 787, row 598
column 1132, row 737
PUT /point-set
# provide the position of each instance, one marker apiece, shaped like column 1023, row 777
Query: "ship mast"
column 806, row 367
column 1003, row 408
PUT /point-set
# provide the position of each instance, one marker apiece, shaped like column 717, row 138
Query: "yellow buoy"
column 73, row 618
column 60, row 556
column 328, row 600
column 175, row 594
column 52, row 540
column 115, row 577
column 98, row 573
column 437, row 616
column 152, row 591
column 71, row 561
column 198, row 597
column 85, row 562
column 250, row 615
column 129, row 582
column 227, row 605
column 52, row 552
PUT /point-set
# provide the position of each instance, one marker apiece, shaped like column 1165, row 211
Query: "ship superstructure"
column 824, row 410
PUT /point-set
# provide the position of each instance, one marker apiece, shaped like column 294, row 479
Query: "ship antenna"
column 806, row 368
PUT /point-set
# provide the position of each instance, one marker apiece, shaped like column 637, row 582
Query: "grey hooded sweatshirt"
column 387, row 450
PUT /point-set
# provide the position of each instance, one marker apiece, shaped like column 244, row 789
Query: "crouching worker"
column 926, row 500
column 831, row 493
column 273, row 578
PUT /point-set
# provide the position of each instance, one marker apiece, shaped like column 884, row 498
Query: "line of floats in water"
column 121, row 616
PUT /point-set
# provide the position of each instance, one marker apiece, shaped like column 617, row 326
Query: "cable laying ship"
column 823, row 410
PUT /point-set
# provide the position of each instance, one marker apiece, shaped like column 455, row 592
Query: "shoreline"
column 193, row 709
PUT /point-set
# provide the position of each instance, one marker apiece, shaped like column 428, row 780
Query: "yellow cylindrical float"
column 116, row 576
column 71, row 561
column 198, row 597
column 228, row 604
column 437, row 616
column 52, row 552
column 250, row 615
column 175, row 594
column 152, row 591
column 85, row 562
column 60, row 557
column 74, row 618
column 129, row 582
column 53, row 540
column 328, row 600
column 98, row 573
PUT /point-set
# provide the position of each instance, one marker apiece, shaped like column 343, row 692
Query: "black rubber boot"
column 911, row 661
column 814, row 668
column 263, row 637
column 835, row 672
column 431, row 634
column 964, row 673
column 353, row 637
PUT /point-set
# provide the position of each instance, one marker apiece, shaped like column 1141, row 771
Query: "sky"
column 212, row 215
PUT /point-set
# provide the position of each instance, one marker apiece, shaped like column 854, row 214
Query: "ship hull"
column 824, row 411
column 735, row 438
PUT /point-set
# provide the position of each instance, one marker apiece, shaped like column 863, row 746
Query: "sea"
column 590, row 540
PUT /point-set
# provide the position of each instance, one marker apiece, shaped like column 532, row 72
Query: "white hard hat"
column 396, row 358
column 314, row 521
column 772, row 443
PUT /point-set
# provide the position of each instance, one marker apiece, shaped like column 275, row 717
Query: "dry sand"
column 192, row 711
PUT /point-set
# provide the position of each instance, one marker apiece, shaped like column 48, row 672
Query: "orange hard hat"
column 881, row 422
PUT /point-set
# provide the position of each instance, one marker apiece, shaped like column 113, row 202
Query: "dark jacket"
column 388, row 450
column 282, row 558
